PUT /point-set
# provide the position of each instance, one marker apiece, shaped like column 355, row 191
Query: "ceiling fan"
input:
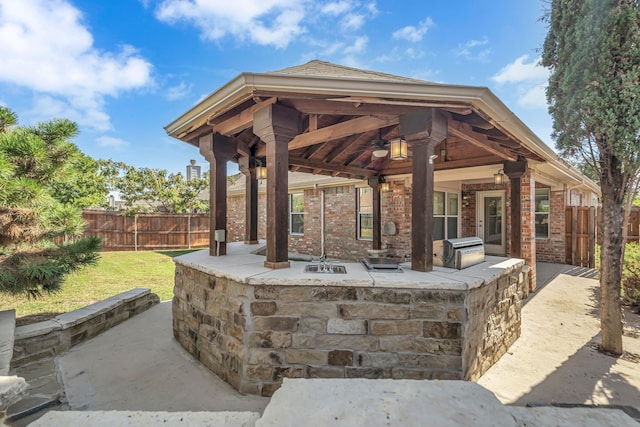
column 380, row 146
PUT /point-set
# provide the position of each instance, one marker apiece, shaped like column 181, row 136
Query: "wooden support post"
column 276, row 126
column 423, row 130
column 218, row 150
column 247, row 166
column 374, row 183
column 592, row 237
column 515, row 170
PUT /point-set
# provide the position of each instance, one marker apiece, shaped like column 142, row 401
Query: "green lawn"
column 114, row 273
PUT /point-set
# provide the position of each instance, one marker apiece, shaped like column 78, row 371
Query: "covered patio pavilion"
column 322, row 118
column 255, row 324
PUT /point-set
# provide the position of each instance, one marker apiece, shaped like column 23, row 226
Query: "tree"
column 44, row 182
column 593, row 51
column 157, row 189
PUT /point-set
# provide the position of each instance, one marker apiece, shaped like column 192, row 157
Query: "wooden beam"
column 341, row 130
column 327, row 107
column 314, row 164
column 313, row 122
column 239, row 122
column 420, row 104
column 464, row 131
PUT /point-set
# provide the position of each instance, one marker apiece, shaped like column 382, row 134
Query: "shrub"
column 631, row 275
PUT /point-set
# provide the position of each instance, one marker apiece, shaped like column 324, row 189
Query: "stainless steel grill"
column 458, row 253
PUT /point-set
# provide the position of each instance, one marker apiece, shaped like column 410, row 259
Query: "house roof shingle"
column 317, row 68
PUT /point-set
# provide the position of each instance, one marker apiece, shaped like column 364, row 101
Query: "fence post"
column 135, row 232
column 189, row 230
column 574, row 234
column 592, row 237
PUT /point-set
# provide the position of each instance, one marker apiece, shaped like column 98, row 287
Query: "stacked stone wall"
column 52, row 337
column 253, row 336
column 494, row 322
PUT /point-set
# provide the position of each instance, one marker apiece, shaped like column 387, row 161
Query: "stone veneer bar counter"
column 253, row 326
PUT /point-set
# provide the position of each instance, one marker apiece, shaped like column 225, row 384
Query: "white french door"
column 491, row 221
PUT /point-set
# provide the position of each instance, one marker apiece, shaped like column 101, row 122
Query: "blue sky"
column 123, row 69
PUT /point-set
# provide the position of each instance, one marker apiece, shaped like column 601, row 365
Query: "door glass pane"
column 493, row 220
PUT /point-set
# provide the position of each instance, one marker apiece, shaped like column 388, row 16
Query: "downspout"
column 322, row 221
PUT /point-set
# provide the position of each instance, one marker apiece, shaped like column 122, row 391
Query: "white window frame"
column 446, row 214
column 539, row 213
column 359, row 214
column 291, row 214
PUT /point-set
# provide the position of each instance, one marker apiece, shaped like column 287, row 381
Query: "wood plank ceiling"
column 336, row 135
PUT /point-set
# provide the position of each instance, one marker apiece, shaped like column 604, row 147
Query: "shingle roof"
column 317, row 68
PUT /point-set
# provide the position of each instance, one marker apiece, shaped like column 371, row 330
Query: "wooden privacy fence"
column 580, row 236
column 633, row 226
column 136, row 232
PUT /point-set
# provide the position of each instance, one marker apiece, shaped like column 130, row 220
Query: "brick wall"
column 527, row 235
column 553, row 248
column 253, row 336
column 340, row 222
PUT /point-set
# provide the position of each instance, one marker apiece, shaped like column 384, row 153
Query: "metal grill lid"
column 373, row 263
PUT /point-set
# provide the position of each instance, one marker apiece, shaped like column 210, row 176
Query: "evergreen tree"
column 593, row 51
column 45, row 181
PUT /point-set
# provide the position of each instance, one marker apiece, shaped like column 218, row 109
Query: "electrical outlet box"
column 220, row 235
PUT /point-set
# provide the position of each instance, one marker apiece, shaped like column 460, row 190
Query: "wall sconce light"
column 385, row 187
column 498, row 178
column 261, row 172
column 398, row 149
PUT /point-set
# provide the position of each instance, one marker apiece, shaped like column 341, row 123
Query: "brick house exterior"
column 339, row 199
column 338, row 126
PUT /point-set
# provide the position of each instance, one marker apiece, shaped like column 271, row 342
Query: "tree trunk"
column 611, row 268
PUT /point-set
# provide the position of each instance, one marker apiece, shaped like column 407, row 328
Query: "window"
column 542, row 213
column 445, row 215
column 365, row 213
column 296, row 213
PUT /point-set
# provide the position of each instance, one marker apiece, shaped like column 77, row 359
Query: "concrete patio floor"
column 138, row 365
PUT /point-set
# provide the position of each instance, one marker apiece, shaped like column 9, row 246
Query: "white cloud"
column 45, row 48
column 111, row 142
column 179, row 91
column 412, row 33
column 471, row 50
column 519, row 71
column 336, row 8
column 358, row 46
column 352, row 22
column 529, row 80
column 534, row 97
column 265, row 22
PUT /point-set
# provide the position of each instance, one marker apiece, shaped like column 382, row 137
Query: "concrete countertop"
column 243, row 265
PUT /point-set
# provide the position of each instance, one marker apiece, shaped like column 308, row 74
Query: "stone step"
column 7, row 336
column 45, row 390
column 139, row 418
